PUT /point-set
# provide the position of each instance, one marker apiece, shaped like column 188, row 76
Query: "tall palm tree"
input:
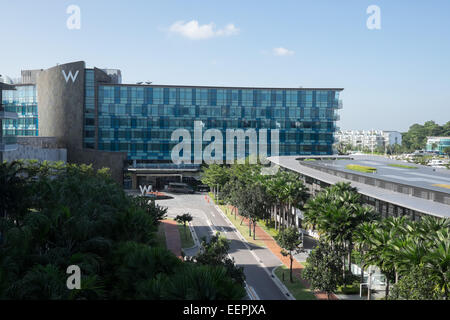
column 438, row 262
column 380, row 253
column 295, row 193
column 363, row 240
column 275, row 188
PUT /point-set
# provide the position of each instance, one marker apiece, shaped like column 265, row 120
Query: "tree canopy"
column 416, row 137
column 54, row 216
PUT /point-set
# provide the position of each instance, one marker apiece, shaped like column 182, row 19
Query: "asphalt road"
column 258, row 262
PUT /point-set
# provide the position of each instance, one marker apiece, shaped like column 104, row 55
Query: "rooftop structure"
column 393, row 189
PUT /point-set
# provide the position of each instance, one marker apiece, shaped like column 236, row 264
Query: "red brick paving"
column 297, row 267
column 173, row 241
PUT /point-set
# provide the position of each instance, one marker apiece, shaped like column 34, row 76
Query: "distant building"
column 392, row 137
column 370, row 139
column 438, row 144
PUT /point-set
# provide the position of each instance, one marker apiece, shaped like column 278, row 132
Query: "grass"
column 161, row 236
column 185, row 236
column 349, row 289
column 297, row 289
column 261, row 223
column 309, row 160
column 268, row 228
column 243, row 229
column 365, row 169
column 218, row 202
column 402, row 166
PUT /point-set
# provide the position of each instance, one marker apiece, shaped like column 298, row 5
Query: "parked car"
column 178, row 187
column 202, row 188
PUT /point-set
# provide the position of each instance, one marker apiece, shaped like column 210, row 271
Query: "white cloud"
column 282, row 52
column 229, row 30
column 193, row 30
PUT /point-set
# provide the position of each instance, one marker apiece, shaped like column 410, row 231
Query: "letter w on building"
column 145, row 189
column 70, row 75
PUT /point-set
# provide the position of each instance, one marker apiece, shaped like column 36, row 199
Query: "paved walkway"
column 173, row 241
column 297, row 267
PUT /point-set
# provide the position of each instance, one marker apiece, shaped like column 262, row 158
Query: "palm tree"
column 380, row 253
column 360, row 215
column 363, row 239
column 274, row 185
column 295, row 193
column 407, row 252
column 438, row 262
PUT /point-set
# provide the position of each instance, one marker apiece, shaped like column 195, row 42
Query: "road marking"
column 278, row 283
column 251, row 292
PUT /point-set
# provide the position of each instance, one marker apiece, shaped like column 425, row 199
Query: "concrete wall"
column 61, row 115
column 41, row 142
column 35, row 153
column 30, row 76
column 37, row 148
column 101, row 159
column 61, row 104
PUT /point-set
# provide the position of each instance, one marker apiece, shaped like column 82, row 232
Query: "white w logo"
column 145, row 189
column 70, row 75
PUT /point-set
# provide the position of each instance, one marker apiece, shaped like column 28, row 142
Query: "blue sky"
column 393, row 77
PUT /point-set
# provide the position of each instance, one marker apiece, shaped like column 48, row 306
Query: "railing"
column 163, row 166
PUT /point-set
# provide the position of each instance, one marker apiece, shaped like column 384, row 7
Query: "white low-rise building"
column 369, row 138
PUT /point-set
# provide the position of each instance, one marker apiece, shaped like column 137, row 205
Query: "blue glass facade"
column 22, row 101
column 438, row 144
column 139, row 120
column 89, row 109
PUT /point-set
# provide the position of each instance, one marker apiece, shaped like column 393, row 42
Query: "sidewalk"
column 173, row 241
column 297, row 267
